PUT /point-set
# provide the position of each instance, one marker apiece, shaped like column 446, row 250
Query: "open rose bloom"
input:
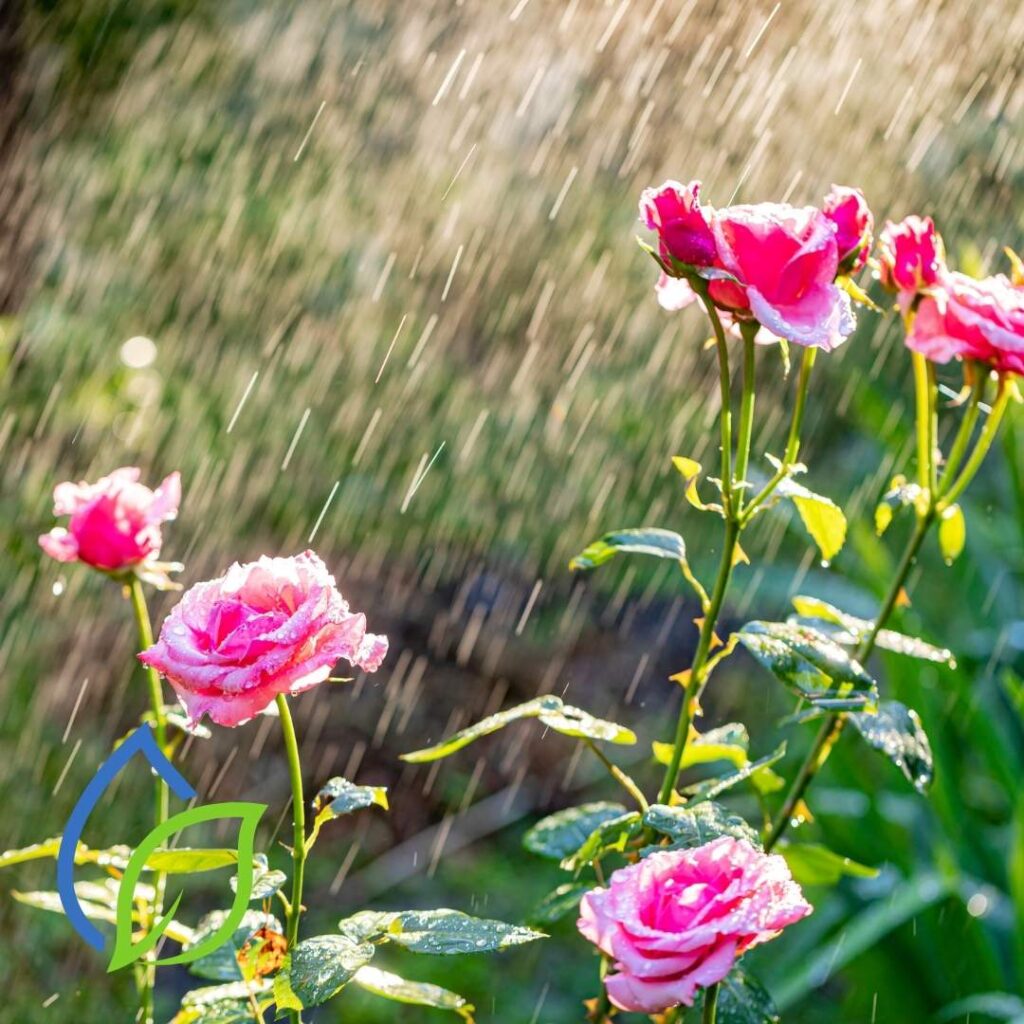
column 115, row 522
column 961, row 317
column 770, row 262
column 276, row 625
column 678, row 920
column 911, row 256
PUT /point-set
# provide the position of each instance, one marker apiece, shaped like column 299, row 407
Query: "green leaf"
column 265, row 881
column 319, row 968
column 609, row 837
column 742, row 999
column 997, row 1005
column 415, row 993
column 559, row 903
column 284, row 997
column 439, row 932
column 900, row 495
column 125, row 949
column 710, row 788
column 896, row 731
column 114, row 856
column 854, row 631
column 645, row 541
column 563, row 718
column 690, row 470
column 813, row 864
column 952, row 533
column 184, row 861
column 726, row 743
column 339, row 796
column 822, row 517
column 811, row 665
column 223, row 1004
column 221, row 964
column 564, row 832
column 694, row 826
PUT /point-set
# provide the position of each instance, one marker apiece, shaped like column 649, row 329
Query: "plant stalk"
column 291, row 747
column 710, row 1004
column 161, row 793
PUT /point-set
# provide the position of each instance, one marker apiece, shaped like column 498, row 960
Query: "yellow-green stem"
column 987, row 436
column 710, row 1004
column 618, row 775
column 749, row 330
column 291, row 747
column 161, row 807
column 966, row 431
column 725, row 416
column 922, row 404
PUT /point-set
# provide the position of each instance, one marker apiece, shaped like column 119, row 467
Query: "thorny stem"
column 618, row 775
column 939, row 499
column 710, row 1004
column 161, row 793
column 291, row 747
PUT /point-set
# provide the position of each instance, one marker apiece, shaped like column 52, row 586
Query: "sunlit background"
column 365, row 272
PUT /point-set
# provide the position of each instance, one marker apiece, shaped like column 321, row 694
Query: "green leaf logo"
column 125, row 950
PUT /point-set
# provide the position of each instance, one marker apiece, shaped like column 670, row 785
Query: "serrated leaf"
column 221, row 964
column 318, row 968
column 728, row 742
column 952, row 533
column 694, row 826
column 742, row 999
column 897, row 732
column 185, row 861
column 559, row 903
column 441, row 932
column 126, row 950
column 710, row 788
column 821, row 516
column 811, row 665
column 609, row 837
column 564, row 832
column 814, row 864
column 563, row 718
column 643, row 541
column 414, row 993
column 855, row 629
column 265, row 880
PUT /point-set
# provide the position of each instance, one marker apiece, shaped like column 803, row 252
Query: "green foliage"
column 563, row 833
column 648, row 540
column 810, row 665
column 265, row 880
column 742, row 999
column 222, row 963
column 550, row 711
column 752, row 770
column 821, row 516
column 814, row 864
column 559, row 903
column 688, row 827
column 412, row 993
column 318, row 968
column 896, row 731
column 609, row 837
column 725, row 743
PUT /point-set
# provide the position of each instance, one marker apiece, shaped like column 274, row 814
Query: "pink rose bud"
column 115, row 522
column 684, row 234
column 910, row 255
column 848, row 210
column 965, row 318
column 784, row 260
column 678, row 920
column 277, row 625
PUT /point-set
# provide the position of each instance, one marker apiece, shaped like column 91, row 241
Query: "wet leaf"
column 186, row 862
column 609, row 837
column 897, row 732
column 691, row 470
column 811, row 665
column 559, row 903
column 742, row 999
column 854, row 631
column 414, row 993
column 440, row 932
column 710, row 788
column 221, row 964
column 265, row 881
column 564, row 832
column 339, row 796
column 563, row 718
column 223, row 1004
column 694, row 826
column 814, row 864
column 319, row 968
column 821, row 516
column 725, row 743
column 644, row 541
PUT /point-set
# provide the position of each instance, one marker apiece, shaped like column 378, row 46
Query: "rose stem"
column 833, row 725
column 291, row 747
column 710, row 1004
column 161, row 792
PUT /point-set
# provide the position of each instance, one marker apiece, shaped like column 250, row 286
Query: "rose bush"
column 276, row 625
column 115, row 522
column 677, row 921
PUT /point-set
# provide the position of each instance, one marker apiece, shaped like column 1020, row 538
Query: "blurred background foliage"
column 365, row 272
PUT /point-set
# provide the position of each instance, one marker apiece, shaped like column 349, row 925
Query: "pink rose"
column 277, row 625
column 673, row 210
column 678, row 920
column 848, row 210
column 910, row 255
column 115, row 522
column 785, row 259
column 970, row 319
